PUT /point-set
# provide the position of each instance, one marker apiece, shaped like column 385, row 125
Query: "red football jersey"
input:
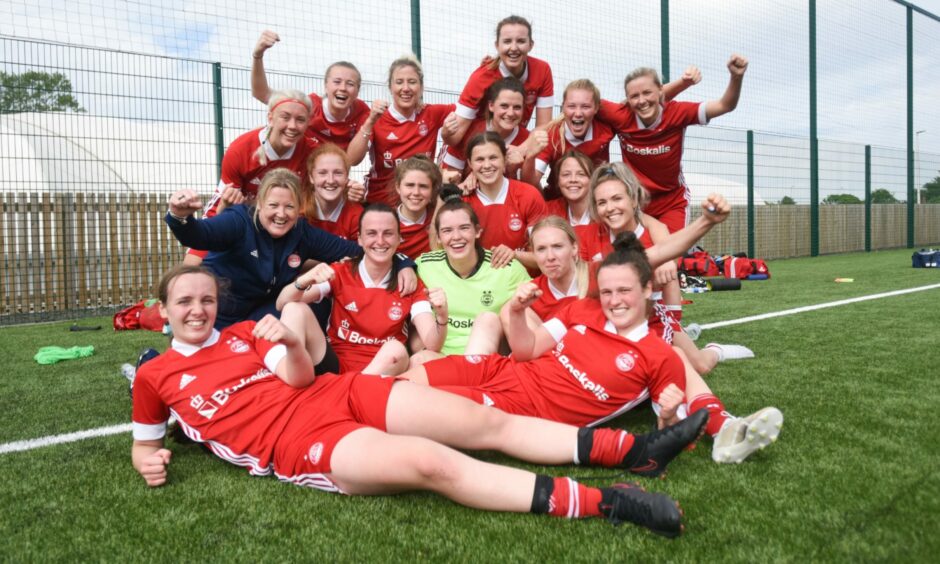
column 595, row 145
column 366, row 315
column 598, row 241
column 593, row 374
column 537, row 81
column 507, row 218
column 324, row 127
column 343, row 222
column 224, row 393
column 241, row 168
column 582, row 225
column 395, row 138
column 552, row 298
column 655, row 152
column 415, row 238
column 455, row 157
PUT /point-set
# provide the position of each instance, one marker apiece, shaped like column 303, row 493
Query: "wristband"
column 439, row 324
column 301, row 288
column 182, row 220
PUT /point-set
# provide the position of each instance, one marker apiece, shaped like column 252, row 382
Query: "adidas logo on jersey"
column 351, row 306
column 255, row 181
column 254, row 253
column 186, row 379
column 392, row 136
column 325, row 132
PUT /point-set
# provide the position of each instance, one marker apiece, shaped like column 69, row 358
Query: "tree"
column 883, row 196
column 841, row 199
column 34, row 91
column 932, row 191
column 787, row 201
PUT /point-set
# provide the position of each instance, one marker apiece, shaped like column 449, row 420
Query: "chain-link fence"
column 141, row 99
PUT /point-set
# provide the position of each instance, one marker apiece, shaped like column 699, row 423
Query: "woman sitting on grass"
column 249, row 393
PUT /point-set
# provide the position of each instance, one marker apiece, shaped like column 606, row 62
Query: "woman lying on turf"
column 249, row 393
column 603, row 360
column 368, row 324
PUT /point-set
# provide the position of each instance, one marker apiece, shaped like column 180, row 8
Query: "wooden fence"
column 68, row 254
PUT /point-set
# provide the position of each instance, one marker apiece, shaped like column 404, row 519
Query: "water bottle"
column 693, row 330
column 129, row 372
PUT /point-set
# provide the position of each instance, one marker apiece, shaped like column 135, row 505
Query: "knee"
column 434, row 466
column 487, row 320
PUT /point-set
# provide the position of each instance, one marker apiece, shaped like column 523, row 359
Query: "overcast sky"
column 860, row 46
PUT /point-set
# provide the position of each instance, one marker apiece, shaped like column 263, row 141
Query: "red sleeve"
column 670, row 370
column 472, row 93
column 681, row 114
column 148, row 406
column 536, row 208
column 361, row 112
column 315, row 100
column 547, row 88
column 613, row 114
column 233, row 163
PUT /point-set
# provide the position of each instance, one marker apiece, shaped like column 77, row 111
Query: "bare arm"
column 525, row 342
column 259, row 81
column 150, row 460
column 432, row 327
column 359, row 145
column 737, row 66
column 543, row 116
column 305, row 288
column 715, row 209
column 296, row 368
column 690, row 77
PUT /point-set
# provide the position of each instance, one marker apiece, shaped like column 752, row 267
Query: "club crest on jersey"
column 422, row 129
column 515, row 223
column 237, row 345
column 315, row 452
column 293, row 261
column 387, row 155
column 487, row 298
column 395, row 312
column 343, row 330
column 474, row 358
column 625, row 362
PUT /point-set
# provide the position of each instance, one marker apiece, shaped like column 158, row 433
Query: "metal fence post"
column 813, row 141
column 217, row 102
column 664, row 38
column 910, row 128
column 868, row 197
column 416, row 28
column 751, row 244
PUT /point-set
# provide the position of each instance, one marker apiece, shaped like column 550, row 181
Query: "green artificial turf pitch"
column 854, row 476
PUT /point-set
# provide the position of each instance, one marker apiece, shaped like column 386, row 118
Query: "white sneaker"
column 730, row 352
column 742, row 437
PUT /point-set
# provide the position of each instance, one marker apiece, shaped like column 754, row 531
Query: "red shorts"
column 339, row 405
column 663, row 323
column 490, row 380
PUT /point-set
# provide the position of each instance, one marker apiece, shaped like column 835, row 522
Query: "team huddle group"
column 511, row 292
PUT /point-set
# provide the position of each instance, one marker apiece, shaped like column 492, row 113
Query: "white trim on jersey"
column 317, row 481
column 572, row 289
column 702, row 115
column 145, row 432
column 325, row 290
column 569, row 137
column 400, row 117
column 555, row 328
column 274, row 356
column 367, row 280
column 504, row 70
column 654, row 125
column 623, row 408
column 541, row 166
column 585, row 218
column 500, row 197
column 453, row 162
column 466, row 112
column 635, row 335
column 404, row 221
column 324, row 101
column 417, row 308
column 269, row 150
column 545, row 102
column 223, row 451
column 334, row 215
column 186, row 349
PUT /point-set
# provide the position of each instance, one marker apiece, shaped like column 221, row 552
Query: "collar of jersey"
column 509, row 138
column 655, row 124
column 399, row 117
column 269, row 150
column 576, row 221
column 481, row 258
column 503, row 70
column 406, row 222
column 569, row 137
column 634, row 336
column 500, row 197
column 334, row 216
column 639, row 231
column 367, row 280
column 186, row 349
column 572, row 290
column 329, row 116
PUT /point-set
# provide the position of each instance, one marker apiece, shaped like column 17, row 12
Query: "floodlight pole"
column 416, row 28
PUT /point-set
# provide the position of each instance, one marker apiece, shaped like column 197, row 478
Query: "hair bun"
column 451, row 192
column 628, row 241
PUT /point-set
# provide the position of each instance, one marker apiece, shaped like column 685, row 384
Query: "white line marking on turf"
column 804, row 309
column 30, row 444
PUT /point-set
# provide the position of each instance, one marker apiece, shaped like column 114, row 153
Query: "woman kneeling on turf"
column 249, row 393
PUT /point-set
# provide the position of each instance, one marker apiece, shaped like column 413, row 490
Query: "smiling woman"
column 260, row 249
